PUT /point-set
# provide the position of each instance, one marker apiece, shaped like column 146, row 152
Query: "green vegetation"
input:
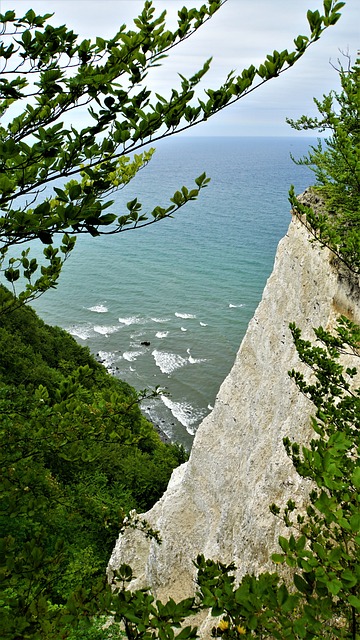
column 335, row 163
column 76, row 456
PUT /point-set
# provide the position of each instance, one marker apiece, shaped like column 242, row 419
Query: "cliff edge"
column 217, row 503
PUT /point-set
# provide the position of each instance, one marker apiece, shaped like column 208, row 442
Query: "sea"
column 166, row 307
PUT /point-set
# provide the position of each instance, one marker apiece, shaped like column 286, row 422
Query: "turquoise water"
column 189, row 285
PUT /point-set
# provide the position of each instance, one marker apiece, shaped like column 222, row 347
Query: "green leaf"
column 354, row 601
column 12, row 274
column 75, row 191
column 61, row 195
column 284, row 544
column 6, row 184
column 300, row 628
column 200, row 180
column 302, row 585
column 177, row 198
column 107, row 219
column 349, row 577
column 282, row 595
column 355, row 478
column 26, row 38
column 45, row 237
column 278, row 558
column 252, row 623
column 334, row 586
column 186, row 632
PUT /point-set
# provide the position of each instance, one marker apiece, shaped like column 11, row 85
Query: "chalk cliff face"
column 218, row 502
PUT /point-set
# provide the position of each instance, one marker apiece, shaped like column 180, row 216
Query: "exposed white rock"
column 218, row 502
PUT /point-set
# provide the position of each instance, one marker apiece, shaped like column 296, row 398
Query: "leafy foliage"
column 336, row 167
column 57, row 182
column 76, row 456
column 144, row 617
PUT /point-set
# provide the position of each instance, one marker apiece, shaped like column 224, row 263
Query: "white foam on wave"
column 81, row 331
column 98, row 308
column 107, row 358
column 160, row 319
column 105, row 331
column 183, row 329
column 183, row 412
column 235, row 306
column 168, row 362
column 131, row 320
column 194, row 360
column 203, row 324
column 161, row 334
column 131, row 355
column 185, row 316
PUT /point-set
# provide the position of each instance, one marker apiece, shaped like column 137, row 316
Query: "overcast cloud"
column 240, row 34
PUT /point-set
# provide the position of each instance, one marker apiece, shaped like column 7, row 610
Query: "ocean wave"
column 183, row 412
column 131, row 320
column 98, row 308
column 155, row 413
column 161, row 334
column 84, row 332
column 168, row 362
column 194, row 360
column 107, row 358
column 105, row 331
column 185, row 316
column 131, row 355
column 235, row 306
column 160, row 319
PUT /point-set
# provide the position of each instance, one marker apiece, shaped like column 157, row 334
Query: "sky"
column 241, row 33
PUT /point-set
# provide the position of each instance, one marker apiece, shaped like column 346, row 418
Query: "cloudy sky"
column 240, row 34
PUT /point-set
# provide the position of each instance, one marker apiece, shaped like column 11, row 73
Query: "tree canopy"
column 335, row 162
column 76, row 456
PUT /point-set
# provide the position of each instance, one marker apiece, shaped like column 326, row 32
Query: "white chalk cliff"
column 217, row 503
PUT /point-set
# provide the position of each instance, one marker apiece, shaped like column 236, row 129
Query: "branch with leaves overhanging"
column 48, row 70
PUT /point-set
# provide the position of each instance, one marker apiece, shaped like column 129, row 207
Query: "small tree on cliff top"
column 336, row 166
column 49, row 73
